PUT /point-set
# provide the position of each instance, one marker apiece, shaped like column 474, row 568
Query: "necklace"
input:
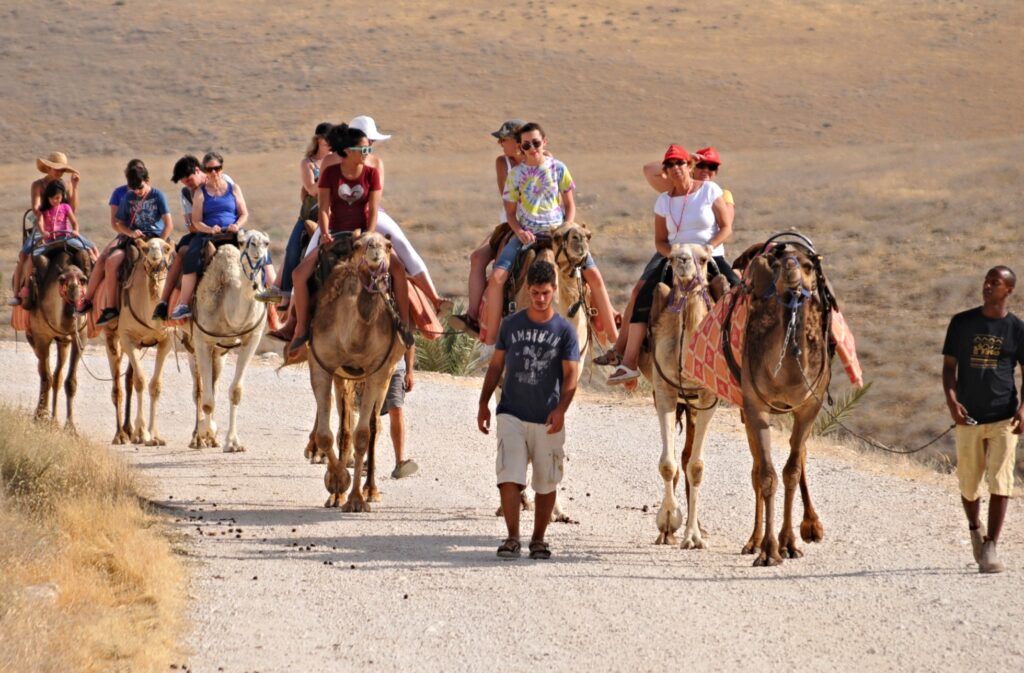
column 678, row 223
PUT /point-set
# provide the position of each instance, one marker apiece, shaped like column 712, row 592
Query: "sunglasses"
column 707, row 166
column 672, row 163
column 535, row 144
column 212, row 169
column 362, row 149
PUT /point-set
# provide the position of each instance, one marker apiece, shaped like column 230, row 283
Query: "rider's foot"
column 107, row 316
column 14, row 301
column 160, row 312
column 271, row 295
column 181, row 311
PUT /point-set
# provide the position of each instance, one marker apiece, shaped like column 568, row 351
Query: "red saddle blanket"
column 20, row 323
column 423, row 314
column 705, row 363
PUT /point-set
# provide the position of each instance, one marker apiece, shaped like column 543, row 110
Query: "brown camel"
column 134, row 332
column 675, row 315
column 785, row 369
column 353, row 339
column 568, row 250
column 55, row 290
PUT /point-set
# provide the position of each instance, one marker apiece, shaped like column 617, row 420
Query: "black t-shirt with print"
column 987, row 350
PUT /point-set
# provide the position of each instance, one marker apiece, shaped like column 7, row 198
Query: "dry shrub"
column 89, row 582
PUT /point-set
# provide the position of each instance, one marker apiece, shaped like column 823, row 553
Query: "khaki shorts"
column 520, row 443
column 985, row 451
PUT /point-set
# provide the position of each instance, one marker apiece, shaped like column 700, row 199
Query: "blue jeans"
column 292, row 255
column 507, row 257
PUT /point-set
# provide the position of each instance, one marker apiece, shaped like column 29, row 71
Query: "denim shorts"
column 507, row 257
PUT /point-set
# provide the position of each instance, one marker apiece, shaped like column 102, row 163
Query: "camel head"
column 573, row 241
column 155, row 255
column 71, row 283
column 689, row 262
column 786, row 272
column 252, row 248
column 371, row 250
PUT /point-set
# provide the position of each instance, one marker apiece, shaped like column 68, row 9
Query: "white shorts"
column 521, row 443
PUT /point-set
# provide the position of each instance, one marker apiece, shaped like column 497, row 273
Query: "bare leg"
column 510, row 507
column 113, row 265
column 424, row 282
column 544, row 503
column 973, row 510
column 620, row 343
column 495, row 297
column 602, row 303
column 634, row 342
column 300, row 294
column 478, row 262
column 173, row 274
column 397, row 434
column 188, row 287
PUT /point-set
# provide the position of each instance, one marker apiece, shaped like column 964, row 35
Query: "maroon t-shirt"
column 349, row 197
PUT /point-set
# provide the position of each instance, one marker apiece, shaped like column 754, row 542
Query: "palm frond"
column 450, row 354
column 828, row 423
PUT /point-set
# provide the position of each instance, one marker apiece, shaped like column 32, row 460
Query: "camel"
column 570, row 245
column 786, row 368
column 226, row 316
column 353, row 340
column 133, row 333
column 675, row 315
column 55, row 292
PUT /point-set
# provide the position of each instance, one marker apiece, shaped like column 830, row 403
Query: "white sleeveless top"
column 504, row 215
column 689, row 218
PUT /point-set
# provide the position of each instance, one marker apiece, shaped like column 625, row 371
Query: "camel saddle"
column 41, row 261
column 214, row 242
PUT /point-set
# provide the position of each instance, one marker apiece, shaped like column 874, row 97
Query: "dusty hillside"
column 890, row 134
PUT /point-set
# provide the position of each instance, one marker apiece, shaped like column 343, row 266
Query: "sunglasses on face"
column 535, row 144
column 672, row 163
column 707, row 166
column 362, row 149
column 212, row 169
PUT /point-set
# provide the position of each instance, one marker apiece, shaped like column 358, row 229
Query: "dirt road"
column 281, row 584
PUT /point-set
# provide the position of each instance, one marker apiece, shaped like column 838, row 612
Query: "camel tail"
column 682, row 410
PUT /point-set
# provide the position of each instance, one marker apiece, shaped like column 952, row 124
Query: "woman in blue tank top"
column 218, row 207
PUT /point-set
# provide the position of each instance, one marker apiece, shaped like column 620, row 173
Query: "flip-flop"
column 539, row 550
column 623, row 374
column 510, row 549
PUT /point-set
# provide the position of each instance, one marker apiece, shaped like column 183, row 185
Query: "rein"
column 377, row 283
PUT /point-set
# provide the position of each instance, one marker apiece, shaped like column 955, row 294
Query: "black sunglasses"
column 212, row 169
column 535, row 144
column 672, row 163
column 708, row 166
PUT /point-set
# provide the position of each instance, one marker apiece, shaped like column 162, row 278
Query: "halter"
column 683, row 291
column 378, row 277
column 255, row 267
column 62, row 289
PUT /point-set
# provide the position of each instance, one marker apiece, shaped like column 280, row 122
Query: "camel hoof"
column 791, row 551
column 666, row 538
column 371, row 494
column 766, row 561
column 356, row 506
column 753, row 545
column 335, row 500
column 140, row 438
column 669, row 520
column 120, row 438
column 692, row 540
column 233, row 447
column 156, row 441
column 337, row 483
column 811, row 530
column 70, row 428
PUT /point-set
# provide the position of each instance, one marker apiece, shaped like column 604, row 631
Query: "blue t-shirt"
column 147, row 216
column 117, row 196
column 533, row 364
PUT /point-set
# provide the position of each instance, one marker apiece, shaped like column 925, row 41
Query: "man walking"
column 540, row 354
column 983, row 347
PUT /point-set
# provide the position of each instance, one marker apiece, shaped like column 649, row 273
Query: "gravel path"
column 281, row 584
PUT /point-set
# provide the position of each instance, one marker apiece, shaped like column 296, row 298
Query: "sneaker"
column 990, row 563
column 160, row 312
column 108, row 315
column 623, row 374
column 181, row 311
column 977, row 542
column 84, row 308
column 406, row 468
column 271, row 295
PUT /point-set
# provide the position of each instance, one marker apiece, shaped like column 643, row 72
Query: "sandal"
column 623, row 374
column 539, row 550
column 465, row 323
column 609, row 358
column 510, row 548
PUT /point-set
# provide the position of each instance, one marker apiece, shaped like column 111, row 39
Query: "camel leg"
column 370, row 491
column 162, row 349
column 245, row 353
column 356, row 501
column 696, row 431
column 208, row 367
column 71, row 387
column 140, row 435
column 759, row 437
column 126, row 424
column 116, row 387
column 336, row 477
column 811, row 528
column 58, row 370
column 197, row 399
column 345, row 392
column 670, row 515
column 42, row 350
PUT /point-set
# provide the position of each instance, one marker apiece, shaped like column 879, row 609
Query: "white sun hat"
column 369, row 127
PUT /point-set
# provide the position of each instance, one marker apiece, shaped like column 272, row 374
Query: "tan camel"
column 52, row 321
column 570, row 245
column 785, row 369
column 675, row 314
column 133, row 333
column 353, row 340
column 226, row 317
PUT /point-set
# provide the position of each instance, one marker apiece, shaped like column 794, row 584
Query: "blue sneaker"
column 180, row 312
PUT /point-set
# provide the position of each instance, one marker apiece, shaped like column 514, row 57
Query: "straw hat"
column 57, row 161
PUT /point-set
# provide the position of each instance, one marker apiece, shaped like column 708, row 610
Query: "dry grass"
column 89, row 581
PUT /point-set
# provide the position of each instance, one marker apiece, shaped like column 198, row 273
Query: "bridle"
column 255, row 266
column 378, row 277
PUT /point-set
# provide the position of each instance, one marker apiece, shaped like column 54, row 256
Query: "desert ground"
column 279, row 583
column 890, row 133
